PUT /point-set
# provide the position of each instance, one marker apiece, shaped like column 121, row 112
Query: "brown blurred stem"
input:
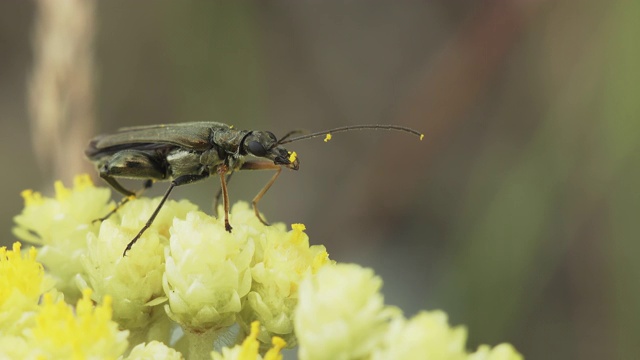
column 61, row 85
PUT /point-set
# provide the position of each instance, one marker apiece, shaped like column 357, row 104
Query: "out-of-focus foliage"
column 515, row 215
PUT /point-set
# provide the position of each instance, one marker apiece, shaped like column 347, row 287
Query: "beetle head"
column 264, row 144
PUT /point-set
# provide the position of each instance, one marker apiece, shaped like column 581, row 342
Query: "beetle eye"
column 255, row 148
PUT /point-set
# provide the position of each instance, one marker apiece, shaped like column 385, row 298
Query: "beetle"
column 184, row 153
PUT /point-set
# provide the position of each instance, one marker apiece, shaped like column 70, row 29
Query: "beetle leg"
column 222, row 171
column 116, row 185
column 147, row 184
column 135, row 164
column 216, row 203
column 262, row 165
column 181, row 180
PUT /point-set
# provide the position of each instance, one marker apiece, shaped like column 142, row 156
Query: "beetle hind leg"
column 128, row 197
column 133, row 164
column 181, row 180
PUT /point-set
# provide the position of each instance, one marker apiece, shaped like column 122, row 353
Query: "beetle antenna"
column 289, row 134
column 284, row 140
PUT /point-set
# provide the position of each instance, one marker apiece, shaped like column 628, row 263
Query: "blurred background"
column 517, row 214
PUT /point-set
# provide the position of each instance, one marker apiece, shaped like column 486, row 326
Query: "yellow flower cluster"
column 185, row 270
column 341, row 315
column 279, row 265
column 20, row 277
column 154, row 350
column 249, row 349
column 22, row 282
column 188, row 284
column 341, row 312
column 60, row 225
column 50, row 329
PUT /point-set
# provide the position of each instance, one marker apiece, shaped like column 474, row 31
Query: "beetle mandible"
column 188, row 152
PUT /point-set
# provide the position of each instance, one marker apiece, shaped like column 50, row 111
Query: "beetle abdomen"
column 133, row 164
column 184, row 162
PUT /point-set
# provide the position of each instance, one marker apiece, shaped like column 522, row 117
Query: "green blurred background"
column 518, row 213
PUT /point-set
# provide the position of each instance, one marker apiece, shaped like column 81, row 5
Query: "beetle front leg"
column 216, row 202
column 262, row 166
column 222, row 171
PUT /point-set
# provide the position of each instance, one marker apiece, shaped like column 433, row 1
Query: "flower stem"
column 201, row 343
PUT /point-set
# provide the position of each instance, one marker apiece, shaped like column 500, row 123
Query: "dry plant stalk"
column 61, row 100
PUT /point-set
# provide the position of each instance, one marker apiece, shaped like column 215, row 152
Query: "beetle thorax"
column 228, row 142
